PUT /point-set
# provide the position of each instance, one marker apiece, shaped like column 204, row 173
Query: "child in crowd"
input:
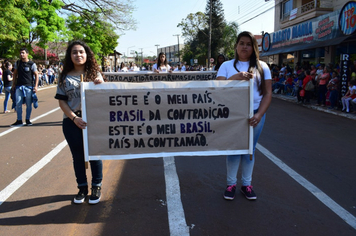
column 350, row 95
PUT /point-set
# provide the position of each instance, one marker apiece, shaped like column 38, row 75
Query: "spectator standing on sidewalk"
column 323, row 80
column 79, row 60
column 350, row 95
column 25, row 83
column 1, row 76
column 333, row 87
column 301, row 76
column 246, row 66
column 307, row 96
column 7, row 78
column 50, row 74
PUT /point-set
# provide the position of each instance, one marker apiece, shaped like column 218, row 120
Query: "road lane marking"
column 19, row 181
column 341, row 212
column 176, row 217
column 34, row 119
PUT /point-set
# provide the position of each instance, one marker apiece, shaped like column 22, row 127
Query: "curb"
column 314, row 107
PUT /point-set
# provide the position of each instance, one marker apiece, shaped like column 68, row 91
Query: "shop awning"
column 304, row 46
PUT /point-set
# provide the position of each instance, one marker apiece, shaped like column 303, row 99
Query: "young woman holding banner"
column 246, row 66
column 79, row 60
column 162, row 64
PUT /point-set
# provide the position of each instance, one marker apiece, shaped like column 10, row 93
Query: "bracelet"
column 74, row 118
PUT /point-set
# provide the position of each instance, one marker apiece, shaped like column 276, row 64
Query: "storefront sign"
column 266, row 42
column 344, row 73
column 320, row 29
column 347, row 18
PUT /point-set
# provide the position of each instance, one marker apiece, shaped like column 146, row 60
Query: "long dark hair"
column 218, row 64
column 91, row 68
column 254, row 60
column 159, row 60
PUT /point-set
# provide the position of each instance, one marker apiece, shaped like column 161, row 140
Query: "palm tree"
column 229, row 38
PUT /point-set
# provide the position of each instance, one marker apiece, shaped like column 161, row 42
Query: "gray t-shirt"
column 70, row 92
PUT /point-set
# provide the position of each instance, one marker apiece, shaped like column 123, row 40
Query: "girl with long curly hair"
column 79, row 60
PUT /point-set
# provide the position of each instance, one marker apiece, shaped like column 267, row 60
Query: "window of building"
column 287, row 7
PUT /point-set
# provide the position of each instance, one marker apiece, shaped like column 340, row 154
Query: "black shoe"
column 28, row 122
column 18, row 123
column 83, row 192
column 248, row 192
column 230, row 192
column 95, row 195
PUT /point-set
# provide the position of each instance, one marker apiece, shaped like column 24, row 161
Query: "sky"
column 157, row 21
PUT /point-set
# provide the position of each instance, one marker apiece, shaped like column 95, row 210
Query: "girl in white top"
column 350, row 95
column 123, row 67
column 246, row 66
column 162, row 64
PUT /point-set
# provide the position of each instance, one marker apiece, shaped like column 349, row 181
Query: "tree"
column 118, row 12
column 195, row 30
column 229, row 39
column 98, row 34
column 218, row 24
column 38, row 54
column 192, row 24
column 27, row 21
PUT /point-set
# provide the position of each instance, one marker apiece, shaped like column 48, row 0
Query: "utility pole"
column 178, row 47
column 157, row 48
column 209, row 45
column 141, row 57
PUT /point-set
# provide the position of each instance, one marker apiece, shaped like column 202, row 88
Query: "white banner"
column 158, row 119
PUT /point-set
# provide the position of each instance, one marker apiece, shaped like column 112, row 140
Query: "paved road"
column 304, row 178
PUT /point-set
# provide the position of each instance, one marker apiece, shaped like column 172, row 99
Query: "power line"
column 249, row 13
column 256, row 15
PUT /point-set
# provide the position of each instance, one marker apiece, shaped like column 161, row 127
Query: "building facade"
column 311, row 31
column 173, row 53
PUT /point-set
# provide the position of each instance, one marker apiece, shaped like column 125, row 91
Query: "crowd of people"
column 320, row 82
column 46, row 75
column 305, row 82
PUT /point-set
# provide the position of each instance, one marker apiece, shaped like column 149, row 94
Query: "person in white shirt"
column 246, row 66
column 183, row 67
column 162, row 64
column 123, row 67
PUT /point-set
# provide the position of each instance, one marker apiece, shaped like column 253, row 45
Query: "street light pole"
column 178, row 47
column 157, row 48
column 128, row 50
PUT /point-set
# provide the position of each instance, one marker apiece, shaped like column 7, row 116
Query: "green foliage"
column 29, row 22
column 26, row 21
column 195, row 30
column 99, row 35
column 192, row 24
column 229, row 37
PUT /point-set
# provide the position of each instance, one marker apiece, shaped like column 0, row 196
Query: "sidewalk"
column 315, row 107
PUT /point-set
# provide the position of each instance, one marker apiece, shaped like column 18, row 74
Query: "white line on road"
column 176, row 217
column 19, row 181
column 341, row 212
column 34, row 119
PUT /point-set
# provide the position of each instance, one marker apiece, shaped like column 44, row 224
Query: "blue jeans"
column 7, row 96
column 74, row 137
column 23, row 92
column 233, row 161
column 1, row 85
column 333, row 97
